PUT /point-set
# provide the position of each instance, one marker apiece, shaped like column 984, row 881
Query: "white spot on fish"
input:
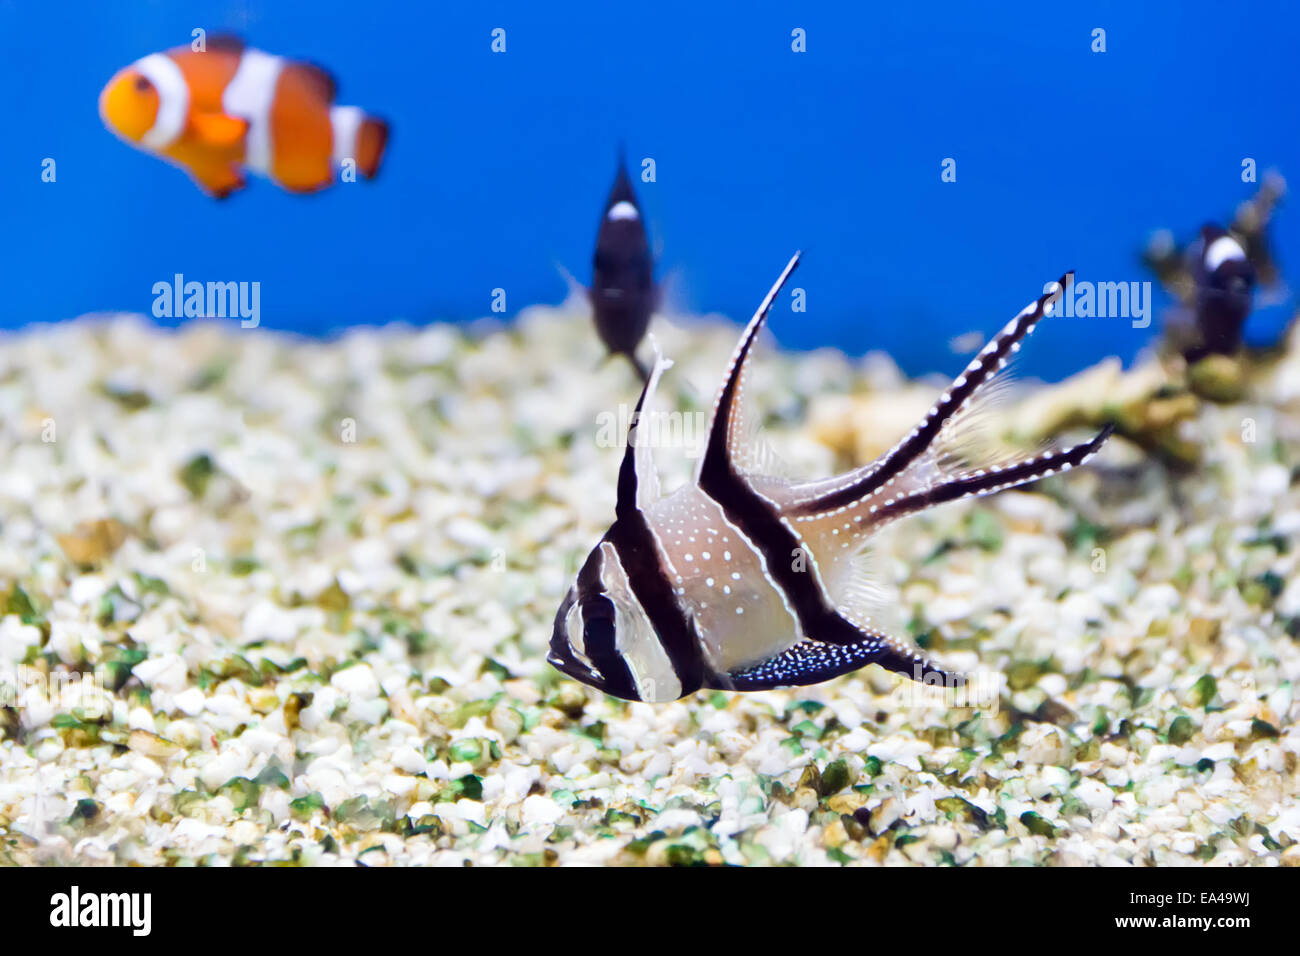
column 1222, row 250
column 622, row 210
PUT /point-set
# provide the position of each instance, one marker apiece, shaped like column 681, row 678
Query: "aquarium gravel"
column 277, row 600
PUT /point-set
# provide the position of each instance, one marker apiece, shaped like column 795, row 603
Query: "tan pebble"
column 151, row 745
column 293, row 705
column 847, row 801
column 880, row 848
column 805, row 798
column 1203, row 630
column 835, row 834
column 92, row 541
column 885, row 814
column 263, row 700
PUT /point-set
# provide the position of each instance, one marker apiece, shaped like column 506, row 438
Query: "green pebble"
column 1181, row 730
column 835, row 777
column 1036, row 825
column 1205, row 689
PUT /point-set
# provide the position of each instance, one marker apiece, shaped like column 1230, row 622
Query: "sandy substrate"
column 307, row 589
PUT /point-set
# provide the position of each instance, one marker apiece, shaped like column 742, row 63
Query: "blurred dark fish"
column 1215, row 278
column 218, row 111
column 623, row 293
column 1225, row 283
column 1218, row 289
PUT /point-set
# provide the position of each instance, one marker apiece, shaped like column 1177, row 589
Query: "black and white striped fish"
column 741, row 580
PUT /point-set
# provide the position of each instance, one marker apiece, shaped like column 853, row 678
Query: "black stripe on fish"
column 986, row 480
column 634, row 542
column 598, row 620
column 758, row 520
column 561, row 655
column 987, row 364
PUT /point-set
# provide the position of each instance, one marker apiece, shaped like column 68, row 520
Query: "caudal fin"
column 360, row 138
column 371, row 140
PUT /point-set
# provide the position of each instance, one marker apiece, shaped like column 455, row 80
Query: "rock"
column 92, row 542
column 1219, row 378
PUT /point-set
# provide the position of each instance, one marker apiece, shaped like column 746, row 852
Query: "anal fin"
column 811, row 662
column 218, row 180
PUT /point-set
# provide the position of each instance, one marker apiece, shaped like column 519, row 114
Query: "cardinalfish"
column 741, row 580
column 219, row 111
column 623, row 293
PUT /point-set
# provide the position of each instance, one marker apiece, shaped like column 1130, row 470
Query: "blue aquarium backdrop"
column 1065, row 157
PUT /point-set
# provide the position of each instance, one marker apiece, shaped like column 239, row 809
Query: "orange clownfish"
column 220, row 110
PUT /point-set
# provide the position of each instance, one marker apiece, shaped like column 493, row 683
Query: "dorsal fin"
column 225, row 42
column 621, row 190
column 727, row 429
column 638, row 482
column 322, row 79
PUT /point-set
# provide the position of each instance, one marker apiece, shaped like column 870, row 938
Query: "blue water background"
column 499, row 162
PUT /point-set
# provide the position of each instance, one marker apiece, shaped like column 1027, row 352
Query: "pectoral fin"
column 219, row 130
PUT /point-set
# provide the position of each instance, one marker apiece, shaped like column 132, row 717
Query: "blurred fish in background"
column 1225, row 286
column 1214, row 278
column 1217, row 281
column 218, row 108
column 623, row 292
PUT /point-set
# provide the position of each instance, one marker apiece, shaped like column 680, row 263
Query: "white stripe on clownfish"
column 249, row 96
column 173, row 99
column 345, row 122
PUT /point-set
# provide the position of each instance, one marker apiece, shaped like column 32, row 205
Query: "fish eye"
column 142, row 84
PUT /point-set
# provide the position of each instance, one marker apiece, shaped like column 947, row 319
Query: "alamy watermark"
column 208, row 300
column 133, row 911
column 654, row 429
column 22, row 686
column 1104, row 300
column 977, row 690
